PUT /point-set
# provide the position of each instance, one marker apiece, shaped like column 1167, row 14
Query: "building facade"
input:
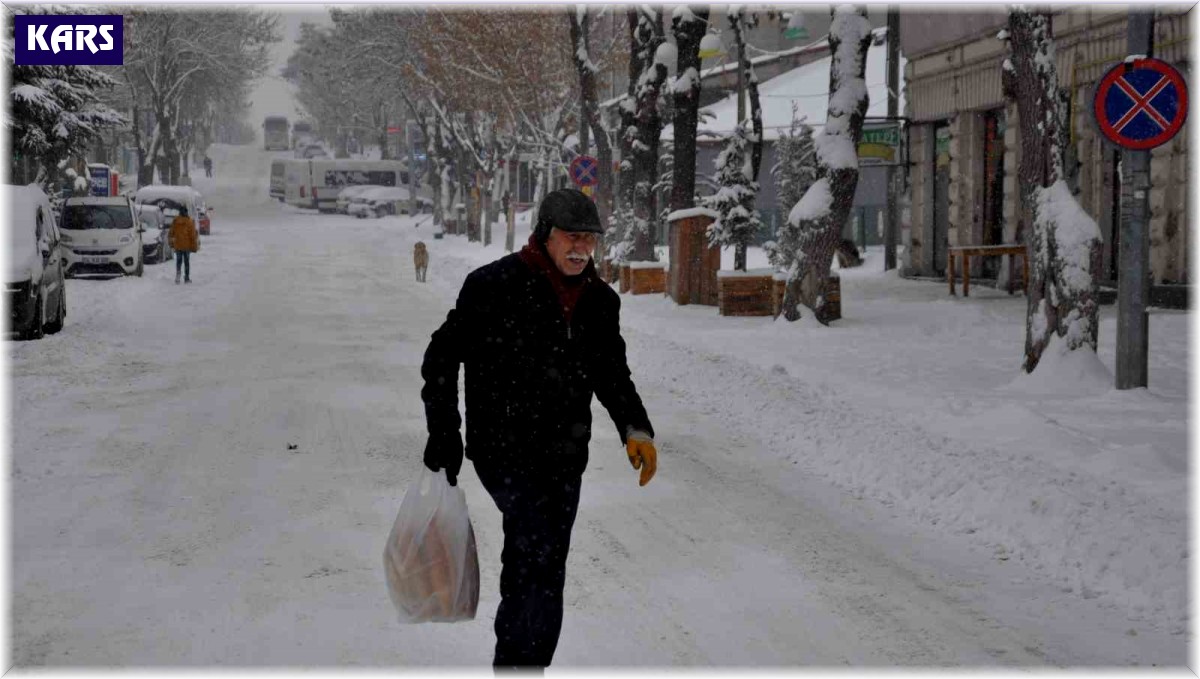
column 964, row 140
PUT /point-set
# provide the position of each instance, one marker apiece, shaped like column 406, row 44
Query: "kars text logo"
column 69, row 40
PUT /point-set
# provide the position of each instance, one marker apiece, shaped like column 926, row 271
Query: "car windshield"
column 97, row 217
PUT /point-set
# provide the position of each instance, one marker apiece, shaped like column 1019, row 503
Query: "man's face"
column 570, row 250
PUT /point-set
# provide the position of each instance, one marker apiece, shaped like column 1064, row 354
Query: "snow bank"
column 1063, row 372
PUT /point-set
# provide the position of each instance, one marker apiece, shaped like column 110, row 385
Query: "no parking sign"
column 1141, row 104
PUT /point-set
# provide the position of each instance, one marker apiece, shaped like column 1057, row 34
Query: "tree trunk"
column 628, row 132
column 738, row 23
column 591, row 113
column 1060, row 301
column 827, row 202
column 649, row 132
column 687, row 105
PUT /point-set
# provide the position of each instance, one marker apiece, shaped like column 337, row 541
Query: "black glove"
column 445, row 451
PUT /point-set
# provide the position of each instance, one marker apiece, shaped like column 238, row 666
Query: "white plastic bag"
column 430, row 562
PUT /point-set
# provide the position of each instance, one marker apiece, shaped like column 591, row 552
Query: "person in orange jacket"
column 184, row 240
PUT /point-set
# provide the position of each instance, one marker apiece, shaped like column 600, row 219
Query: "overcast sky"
column 272, row 95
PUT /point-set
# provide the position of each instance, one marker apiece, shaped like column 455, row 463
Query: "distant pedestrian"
column 207, row 166
column 184, row 240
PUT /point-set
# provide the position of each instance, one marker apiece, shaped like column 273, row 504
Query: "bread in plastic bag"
column 430, row 562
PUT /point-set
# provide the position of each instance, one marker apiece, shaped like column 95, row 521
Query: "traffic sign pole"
column 1133, row 284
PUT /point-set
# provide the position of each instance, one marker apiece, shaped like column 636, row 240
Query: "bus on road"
column 275, row 133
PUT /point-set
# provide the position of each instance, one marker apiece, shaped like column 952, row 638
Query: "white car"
column 33, row 282
column 156, row 247
column 378, row 202
column 348, row 193
column 170, row 198
column 102, row 235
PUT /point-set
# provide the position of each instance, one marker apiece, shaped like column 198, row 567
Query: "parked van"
column 278, row 180
column 33, row 281
column 316, row 183
column 103, row 236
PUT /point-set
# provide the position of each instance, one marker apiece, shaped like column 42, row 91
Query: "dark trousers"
column 539, row 511
column 183, row 260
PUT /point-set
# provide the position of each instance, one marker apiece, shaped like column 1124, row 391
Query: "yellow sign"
column 587, row 191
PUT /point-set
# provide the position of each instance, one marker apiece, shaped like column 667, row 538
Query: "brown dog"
column 420, row 260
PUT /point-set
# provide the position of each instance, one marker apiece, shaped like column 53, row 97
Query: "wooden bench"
column 966, row 252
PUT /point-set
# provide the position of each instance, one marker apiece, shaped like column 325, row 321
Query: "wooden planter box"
column 623, row 279
column 745, row 293
column 608, row 272
column 647, row 278
column 833, row 297
column 693, row 274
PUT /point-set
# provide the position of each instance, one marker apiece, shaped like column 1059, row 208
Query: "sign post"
column 1140, row 104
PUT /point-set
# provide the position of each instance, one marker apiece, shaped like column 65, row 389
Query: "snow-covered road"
column 205, row 474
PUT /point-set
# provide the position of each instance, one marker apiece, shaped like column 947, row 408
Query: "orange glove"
column 642, row 455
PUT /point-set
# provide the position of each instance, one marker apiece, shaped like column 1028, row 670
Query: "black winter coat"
column 529, row 378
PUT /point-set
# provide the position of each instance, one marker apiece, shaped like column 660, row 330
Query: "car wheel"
column 57, row 324
column 35, row 329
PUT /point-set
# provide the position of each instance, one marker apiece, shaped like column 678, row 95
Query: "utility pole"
column 1133, row 285
column 892, row 221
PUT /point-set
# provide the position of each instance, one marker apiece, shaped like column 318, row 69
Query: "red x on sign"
column 583, row 171
column 1141, row 104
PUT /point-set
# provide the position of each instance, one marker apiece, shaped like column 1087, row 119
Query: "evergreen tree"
column 55, row 113
column 738, row 221
column 794, row 172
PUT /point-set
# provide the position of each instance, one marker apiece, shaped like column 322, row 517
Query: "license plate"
column 95, row 260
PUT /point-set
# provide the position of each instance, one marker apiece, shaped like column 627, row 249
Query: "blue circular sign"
column 583, row 171
column 1141, row 104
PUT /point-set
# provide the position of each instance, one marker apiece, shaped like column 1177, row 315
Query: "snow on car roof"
column 22, row 202
column 386, row 192
column 165, row 191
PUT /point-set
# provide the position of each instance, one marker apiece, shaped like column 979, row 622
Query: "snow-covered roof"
column 808, row 86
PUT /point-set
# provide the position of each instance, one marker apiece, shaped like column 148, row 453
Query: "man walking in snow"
column 207, row 166
column 184, row 240
column 538, row 334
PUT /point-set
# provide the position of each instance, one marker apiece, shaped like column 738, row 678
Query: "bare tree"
column 1064, row 242
column 814, row 226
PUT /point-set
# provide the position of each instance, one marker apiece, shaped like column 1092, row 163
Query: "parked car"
column 348, row 193
column 156, row 247
column 102, row 236
column 34, row 280
column 169, row 198
column 311, row 151
column 378, row 202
